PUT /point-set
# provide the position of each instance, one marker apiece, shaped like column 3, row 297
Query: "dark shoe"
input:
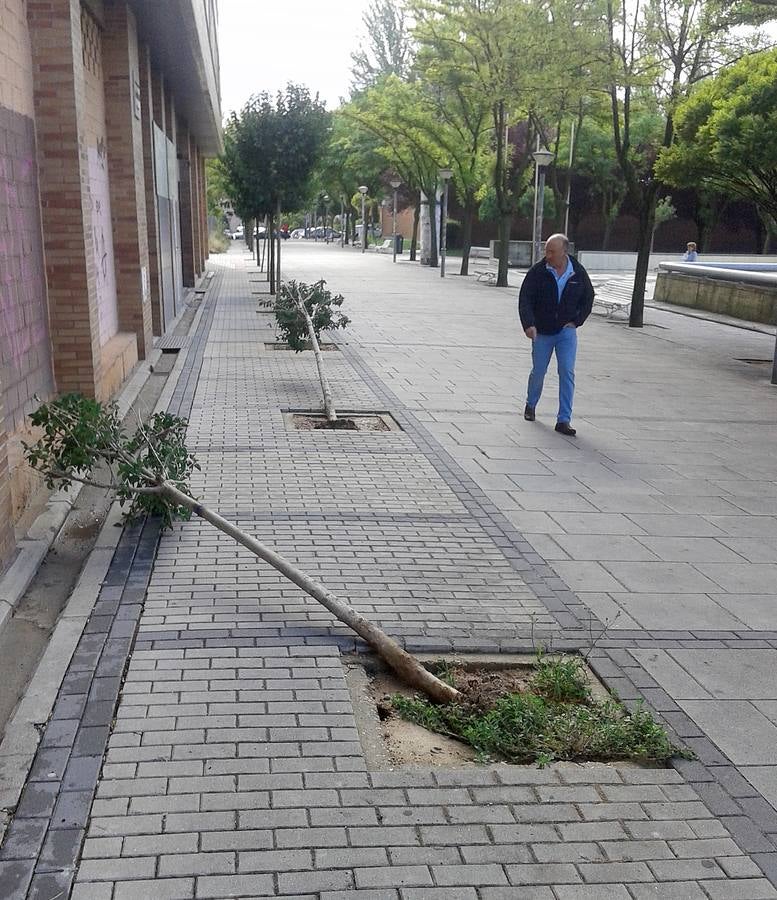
column 565, row 428
column 528, row 413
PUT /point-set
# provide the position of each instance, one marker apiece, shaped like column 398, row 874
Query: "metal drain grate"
column 172, row 343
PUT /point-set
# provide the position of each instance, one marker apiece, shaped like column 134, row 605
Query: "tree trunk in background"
column 414, row 238
column 270, row 255
column 504, row 248
column 434, row 242
column 647, row 219
column 466, row 234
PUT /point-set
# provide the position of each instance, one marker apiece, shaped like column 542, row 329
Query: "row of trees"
column 476, row 85
column 270, row 150
column 657, row 94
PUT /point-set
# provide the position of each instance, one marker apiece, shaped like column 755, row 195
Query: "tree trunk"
column 270, row 254
column 504, row 249
column 409, row 670
column 608, row 223
column 326, row 390
column 280, row 241
column 434, row 260
column 647, row 218
column 414, row 238
column 346, row 233
column 466, row 234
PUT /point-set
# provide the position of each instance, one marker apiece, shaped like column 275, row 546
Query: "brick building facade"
column 108, row 109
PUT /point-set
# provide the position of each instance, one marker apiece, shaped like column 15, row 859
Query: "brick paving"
column 233, row 767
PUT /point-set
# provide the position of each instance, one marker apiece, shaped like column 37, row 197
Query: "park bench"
column 386, row 247
column 614, row 295
column 611, row 305
column 489, row 272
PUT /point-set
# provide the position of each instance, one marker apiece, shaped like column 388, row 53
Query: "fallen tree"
column 149, row 473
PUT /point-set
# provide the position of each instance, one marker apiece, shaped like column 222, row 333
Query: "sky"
column 263, row 45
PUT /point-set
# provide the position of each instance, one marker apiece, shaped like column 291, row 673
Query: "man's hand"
column 530, row 333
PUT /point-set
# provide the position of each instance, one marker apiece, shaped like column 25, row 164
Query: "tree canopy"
column 725, row 135
column 271, row 148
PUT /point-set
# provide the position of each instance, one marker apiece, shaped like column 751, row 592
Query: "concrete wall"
column 752, row 303
column 605, row 261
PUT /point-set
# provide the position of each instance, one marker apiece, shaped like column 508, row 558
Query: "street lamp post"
column 363, row 190
column 542, row 159
column 395, row 185
column 326, row 216
column 342, row 220
column 446, row 175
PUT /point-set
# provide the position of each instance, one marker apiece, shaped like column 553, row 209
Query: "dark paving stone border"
column 43, row 841
column 183, row 395
column 44, row 838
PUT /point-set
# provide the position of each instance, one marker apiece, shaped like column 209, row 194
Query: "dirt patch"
column 389, row 741
column 350, row 422
column 282, row 345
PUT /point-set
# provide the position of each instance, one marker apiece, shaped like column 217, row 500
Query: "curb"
column 24, row 729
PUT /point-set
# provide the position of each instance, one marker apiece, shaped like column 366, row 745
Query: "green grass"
column 561, row 679
column 556, row 719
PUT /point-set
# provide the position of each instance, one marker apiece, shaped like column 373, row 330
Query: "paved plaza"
column 204, row 743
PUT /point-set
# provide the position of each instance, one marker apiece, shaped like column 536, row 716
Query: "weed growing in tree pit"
column 556, row 718
column 560, row 679
column 323, row 309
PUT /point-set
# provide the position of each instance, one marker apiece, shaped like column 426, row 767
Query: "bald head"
column 556, row 250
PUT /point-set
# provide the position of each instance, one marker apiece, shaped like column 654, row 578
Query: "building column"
column 185, row 204
column 152, row 230
column 204, row 211
column 56, row 44
column 194, row 159
column 123, row 114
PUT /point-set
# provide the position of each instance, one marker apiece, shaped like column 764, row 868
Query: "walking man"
column 555, row 300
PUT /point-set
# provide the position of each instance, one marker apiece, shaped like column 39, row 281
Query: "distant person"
column 691, row 254
column 555, row 300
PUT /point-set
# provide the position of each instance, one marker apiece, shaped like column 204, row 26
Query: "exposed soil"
column 390, row 741
column 305, row 422
column 282, row 345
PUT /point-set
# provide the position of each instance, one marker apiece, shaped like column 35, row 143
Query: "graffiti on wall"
column 102, row 240
column 25, row 356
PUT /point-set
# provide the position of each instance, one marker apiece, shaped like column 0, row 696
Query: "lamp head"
column 396, row 184
column 543, row 157
column 446, row 174
column 363, row 189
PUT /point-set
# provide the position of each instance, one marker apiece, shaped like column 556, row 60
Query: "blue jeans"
column 565, row 345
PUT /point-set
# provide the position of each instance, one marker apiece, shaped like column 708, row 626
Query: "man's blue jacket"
column 539, row 304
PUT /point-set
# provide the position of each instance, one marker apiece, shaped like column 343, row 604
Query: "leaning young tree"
column 149, row 472
column 303, row 311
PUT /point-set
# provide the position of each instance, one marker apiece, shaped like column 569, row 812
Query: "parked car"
column 238, row 234
column 298, row 234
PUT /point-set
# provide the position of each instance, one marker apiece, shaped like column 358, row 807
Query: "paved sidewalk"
column 231, row 766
